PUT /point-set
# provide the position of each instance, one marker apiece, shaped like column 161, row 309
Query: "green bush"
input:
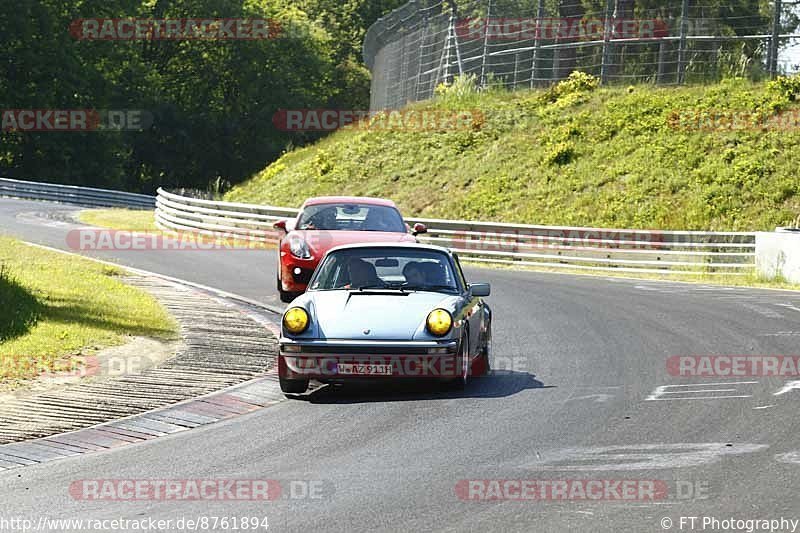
column 562, row 153
column 787, row 87
column 576, row 84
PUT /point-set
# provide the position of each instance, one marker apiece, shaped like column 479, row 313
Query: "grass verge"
column 58, row 308
column 144, row 221
column 120, row 219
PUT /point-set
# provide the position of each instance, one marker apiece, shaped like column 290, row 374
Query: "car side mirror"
column 480, row 290
column 281, row 225
column 420, row 228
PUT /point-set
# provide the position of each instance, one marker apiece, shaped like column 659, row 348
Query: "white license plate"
column 356, row 369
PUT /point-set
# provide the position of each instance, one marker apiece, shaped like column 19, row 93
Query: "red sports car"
column 330, row 221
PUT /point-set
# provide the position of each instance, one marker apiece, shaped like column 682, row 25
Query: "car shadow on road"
column 499, row 384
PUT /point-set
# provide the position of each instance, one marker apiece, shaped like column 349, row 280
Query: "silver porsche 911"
column 380, row 311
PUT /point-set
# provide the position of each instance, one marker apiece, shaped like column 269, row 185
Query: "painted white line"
column 663, row 392
column 695, row 398
column 789, row 386
column 640, row 457
column 699, row 390
column 715, row 384
column 791, row 457
column 790, row 306
column 598, row 398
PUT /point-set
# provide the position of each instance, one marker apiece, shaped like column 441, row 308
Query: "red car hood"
column 320, row 241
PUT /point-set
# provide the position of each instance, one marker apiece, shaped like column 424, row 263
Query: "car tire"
column 486, row 353
column 287, row 297
column 293, row 386
column 459, row 383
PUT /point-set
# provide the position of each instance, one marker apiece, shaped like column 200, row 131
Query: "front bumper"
column 347, row 360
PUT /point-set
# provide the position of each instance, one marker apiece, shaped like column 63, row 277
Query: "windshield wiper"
column 432, row 288
column 373, row 286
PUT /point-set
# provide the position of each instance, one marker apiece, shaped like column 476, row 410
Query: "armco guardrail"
column 74, row 195
column 618, row 250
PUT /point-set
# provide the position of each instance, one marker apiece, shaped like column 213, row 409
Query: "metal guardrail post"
column 424, row 38
column 608, row 29
column 444, row 59
column 682, row 43
column 453, row 22
column 773, row 42
column 485, row 53
column 537, row 43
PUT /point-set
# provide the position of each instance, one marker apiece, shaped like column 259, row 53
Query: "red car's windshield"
column 351, row 217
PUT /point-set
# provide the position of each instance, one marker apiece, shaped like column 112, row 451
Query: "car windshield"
column 386, row 268
column 352, row 217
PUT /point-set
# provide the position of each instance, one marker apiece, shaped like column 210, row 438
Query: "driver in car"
column 324, row 220
column 362, row 274
column 414, row 275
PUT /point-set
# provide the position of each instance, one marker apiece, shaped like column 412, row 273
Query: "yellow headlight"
column 295, row 320
column 439, row 322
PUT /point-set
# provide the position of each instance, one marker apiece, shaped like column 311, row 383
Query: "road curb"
column 226, row 343
column 209, row 409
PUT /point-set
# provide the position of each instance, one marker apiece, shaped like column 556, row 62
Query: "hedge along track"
column 224, row 343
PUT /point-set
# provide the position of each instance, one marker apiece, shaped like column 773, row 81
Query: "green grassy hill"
column 575, row 154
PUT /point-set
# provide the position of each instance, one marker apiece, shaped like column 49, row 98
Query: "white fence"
column 617, row 250
column 75, row 195
column 521, row 45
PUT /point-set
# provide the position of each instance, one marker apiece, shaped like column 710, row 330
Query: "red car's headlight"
column 299, row 247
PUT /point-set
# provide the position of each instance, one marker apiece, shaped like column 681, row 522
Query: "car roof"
column 398, row 245
column 349, row 200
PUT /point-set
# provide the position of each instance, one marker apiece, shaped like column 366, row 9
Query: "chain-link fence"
column 530, row 43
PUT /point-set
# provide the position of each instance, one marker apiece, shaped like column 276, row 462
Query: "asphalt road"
column 575, row 397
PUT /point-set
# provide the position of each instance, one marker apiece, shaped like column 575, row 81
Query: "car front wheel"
column 287, row 297
column 459, row 383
